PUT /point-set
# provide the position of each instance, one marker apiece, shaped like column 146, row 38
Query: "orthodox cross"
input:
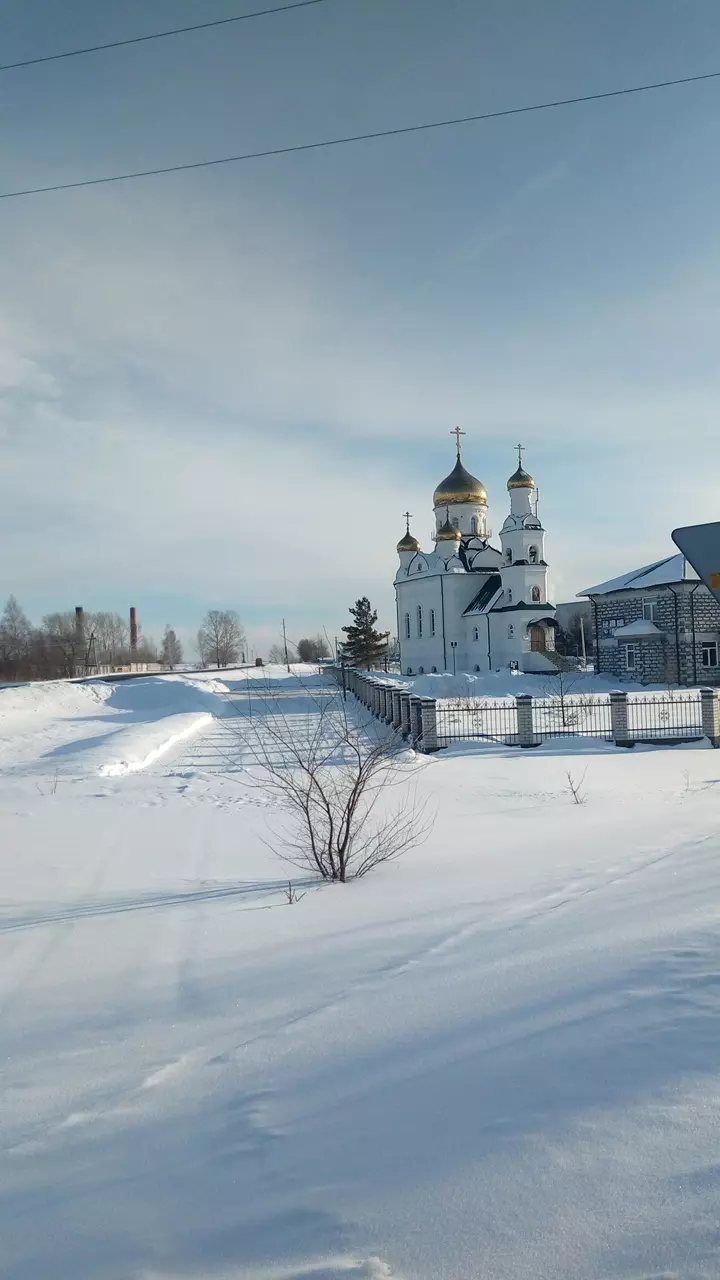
column 521, row 449
column 457, row 433
column 406, row 517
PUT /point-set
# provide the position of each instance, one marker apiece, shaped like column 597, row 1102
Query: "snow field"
column 496, row 1058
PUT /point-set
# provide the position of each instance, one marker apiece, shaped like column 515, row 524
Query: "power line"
column 360, row 137
column 159, row 35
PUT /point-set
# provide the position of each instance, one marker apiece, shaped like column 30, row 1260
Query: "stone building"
column 659, row 624
column 465, row 605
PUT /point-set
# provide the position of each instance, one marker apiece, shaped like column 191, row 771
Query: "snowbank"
column 503, row 684
column 141, row 747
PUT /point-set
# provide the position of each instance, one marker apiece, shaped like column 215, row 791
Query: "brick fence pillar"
column 525, row 730
column 405, row 714
column 711, row 715
column 415, row 720
column 619, row 719
column 428, row 715
column 384, row 692
column 396, row 713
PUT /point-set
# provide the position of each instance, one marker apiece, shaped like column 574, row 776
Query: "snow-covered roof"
column 660, row 574
column 641, row 627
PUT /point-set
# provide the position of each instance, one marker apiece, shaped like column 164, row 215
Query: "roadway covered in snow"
column 497, row 1058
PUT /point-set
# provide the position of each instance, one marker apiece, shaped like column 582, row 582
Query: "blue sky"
column 223, row 387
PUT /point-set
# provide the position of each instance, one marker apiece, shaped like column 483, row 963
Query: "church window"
column 408, row 671
column 509, row 597
column 407, row 626
column 508, row 555
column 533, row 555
column 455, row 523
column 535, row 595
column 511, row 631
column 476, row 634
column 432, row 622
column 419, row 620
column 419, row 568
column 473, row 526
column 434, row 670
column 421, row 671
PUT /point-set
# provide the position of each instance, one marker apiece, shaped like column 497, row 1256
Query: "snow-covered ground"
column 496, row 1058
column 506, row 684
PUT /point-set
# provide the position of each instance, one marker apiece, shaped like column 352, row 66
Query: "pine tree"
column 364, row 647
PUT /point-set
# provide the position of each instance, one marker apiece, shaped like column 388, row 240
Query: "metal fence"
column 563, row 717
column 477, row 718
column 664, row 716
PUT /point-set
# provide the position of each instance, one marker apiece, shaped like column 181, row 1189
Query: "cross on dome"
column 520, row 451
column 457, row 433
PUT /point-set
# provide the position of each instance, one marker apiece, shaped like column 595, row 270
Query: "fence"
column 524, row 721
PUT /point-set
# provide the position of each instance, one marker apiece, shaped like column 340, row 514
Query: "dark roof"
column 485, row 594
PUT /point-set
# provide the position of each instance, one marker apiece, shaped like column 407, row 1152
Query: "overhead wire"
column 360, row 137
column 158, row 35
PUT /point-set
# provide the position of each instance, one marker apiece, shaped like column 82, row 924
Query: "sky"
column 222, row 388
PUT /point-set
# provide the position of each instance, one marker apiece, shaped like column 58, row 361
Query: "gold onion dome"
column 408, row 543
column 521, row 479
column 446, row 533
column 460, row 486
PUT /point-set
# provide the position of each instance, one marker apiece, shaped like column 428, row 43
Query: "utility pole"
column 582, row 640
column 287, row 660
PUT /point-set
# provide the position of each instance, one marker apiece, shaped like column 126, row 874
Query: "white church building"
column 466, row 605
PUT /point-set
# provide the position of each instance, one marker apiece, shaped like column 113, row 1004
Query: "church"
column 466, row 605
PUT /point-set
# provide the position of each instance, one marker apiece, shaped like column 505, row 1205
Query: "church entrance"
column 537, row 639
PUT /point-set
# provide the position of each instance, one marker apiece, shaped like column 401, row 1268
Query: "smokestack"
column 133, row 630
column 79, row 621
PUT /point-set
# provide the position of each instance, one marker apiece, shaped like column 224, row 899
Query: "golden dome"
column 408, row 543
column 460, row 486
column 446, row 533
column 521, row 479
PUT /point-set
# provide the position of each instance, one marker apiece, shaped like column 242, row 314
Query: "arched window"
column 419, row 620
column 535, row 595
column 408, row 671
column 509, row 597
column 533, row 555
column 434, row 670
column 407, row 626
column 476, row 634
column 455, row 523
column 432, row 622
column 511, row 631
column 473, row 526
column 419, row 567
column 421, row 671
column 508, row 555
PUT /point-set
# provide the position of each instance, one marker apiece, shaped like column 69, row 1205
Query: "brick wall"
column 675, row 611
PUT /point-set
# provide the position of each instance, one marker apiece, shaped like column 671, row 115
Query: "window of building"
column 476, row 634
column 434, row 670
column 509, row 597
column 508, row 555
column 455, row 523
column 407, row 626
column 650, row 610
column 432, row 622
column 511, row 631
column 632, row 657
column 421, row 671
column 709, row 653
column 535, row 595
column 610, row 624
column 533, row 555
column 408, row 671
column 419, row 567
column 419, row 620
column 473, row 525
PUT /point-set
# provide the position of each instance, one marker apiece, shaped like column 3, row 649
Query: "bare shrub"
column 575, row 788
column 330, row 776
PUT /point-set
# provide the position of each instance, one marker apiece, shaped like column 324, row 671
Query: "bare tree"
column 330, row 777
column 15, row 639
column 171, row 653
column 112, row 636
column 221, row 638
column 276, row 654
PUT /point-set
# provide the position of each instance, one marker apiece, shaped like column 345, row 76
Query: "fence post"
column 396, row 713
column 388, row 704
column 526, row 733
column 619, row 719
column 383, row 702
column 415, row 720
column 405, row 714
column 711, row 715
column 428, row 721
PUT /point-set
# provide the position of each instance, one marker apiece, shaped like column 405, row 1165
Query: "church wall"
column 425, row 591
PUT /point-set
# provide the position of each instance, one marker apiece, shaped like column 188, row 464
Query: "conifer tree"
column 364, row 647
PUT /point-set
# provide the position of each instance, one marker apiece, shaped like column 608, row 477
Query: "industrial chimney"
column 133, row 630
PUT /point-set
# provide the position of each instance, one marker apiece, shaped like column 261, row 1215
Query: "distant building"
column 659, row 624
